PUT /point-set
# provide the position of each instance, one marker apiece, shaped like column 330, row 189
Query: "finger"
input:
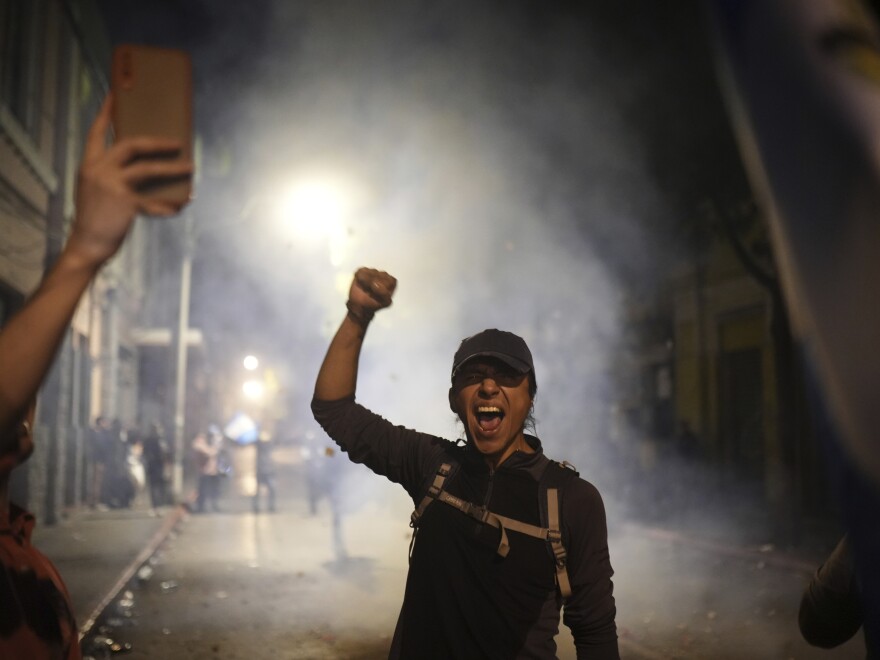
column 381, row 290
column 159, row 208
column 377, row 284
column 382, row 298
column 128, row 149
column 363, row 280
column 384, row 281
column 95, row 141
column 390, row 283
column 144, row 170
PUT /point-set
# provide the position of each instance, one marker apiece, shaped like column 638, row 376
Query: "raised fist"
column 371, row 289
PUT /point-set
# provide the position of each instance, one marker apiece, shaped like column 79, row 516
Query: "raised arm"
column 370, row 290
column 107, row 202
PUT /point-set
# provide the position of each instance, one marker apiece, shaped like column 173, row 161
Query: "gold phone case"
column 152, row 90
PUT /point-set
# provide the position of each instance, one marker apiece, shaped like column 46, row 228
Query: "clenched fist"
column 370, row 290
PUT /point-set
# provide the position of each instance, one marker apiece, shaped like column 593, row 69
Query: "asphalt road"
column 236, row 584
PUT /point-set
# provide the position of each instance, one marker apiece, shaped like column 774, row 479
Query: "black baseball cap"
column 505, row 346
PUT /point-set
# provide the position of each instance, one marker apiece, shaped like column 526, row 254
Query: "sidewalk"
column 97, row 552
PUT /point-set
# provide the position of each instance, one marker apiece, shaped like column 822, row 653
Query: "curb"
column 170, row 522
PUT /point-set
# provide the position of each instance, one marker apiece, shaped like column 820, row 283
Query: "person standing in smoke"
column 265, row 471
column 125, row 474
column 326, row 478
column 206, row 447
column 478, row 585
column 338, row 489
column 155, row 458
column 100, row 454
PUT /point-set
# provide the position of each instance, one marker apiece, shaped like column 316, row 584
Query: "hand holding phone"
column 152, row 96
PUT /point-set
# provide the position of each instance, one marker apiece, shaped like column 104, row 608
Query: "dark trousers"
column 156, row 484
column 209, row 491
column 267, row 480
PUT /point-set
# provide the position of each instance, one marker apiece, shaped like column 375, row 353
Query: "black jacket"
column 462, row 599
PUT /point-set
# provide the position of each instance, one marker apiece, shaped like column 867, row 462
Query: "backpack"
column 553, row 477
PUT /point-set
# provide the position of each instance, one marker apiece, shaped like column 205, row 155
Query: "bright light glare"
column 251, row 363
column 253, row 390
column 315, row 209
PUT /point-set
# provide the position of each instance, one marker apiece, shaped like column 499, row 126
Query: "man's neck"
column 520, row 444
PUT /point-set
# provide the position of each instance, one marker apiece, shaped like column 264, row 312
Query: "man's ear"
column 452, row 404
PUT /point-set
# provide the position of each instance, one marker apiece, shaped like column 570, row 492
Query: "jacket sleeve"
column 830, row 612
column 402, row 455
column 590, row 611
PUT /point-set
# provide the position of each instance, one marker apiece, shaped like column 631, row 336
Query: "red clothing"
column 36, row 616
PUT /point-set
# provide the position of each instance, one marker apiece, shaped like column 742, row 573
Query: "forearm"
column 337, row 377
column 402, row 455
column 30, row 339
column 593, row 628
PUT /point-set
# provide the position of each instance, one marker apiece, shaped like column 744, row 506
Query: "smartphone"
column 152, row 95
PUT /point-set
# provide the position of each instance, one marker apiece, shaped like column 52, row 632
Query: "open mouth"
column 489, row 418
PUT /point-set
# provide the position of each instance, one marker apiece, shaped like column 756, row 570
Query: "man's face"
column 492, row 400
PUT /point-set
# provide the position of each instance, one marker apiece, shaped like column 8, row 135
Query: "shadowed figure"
column 265, row 472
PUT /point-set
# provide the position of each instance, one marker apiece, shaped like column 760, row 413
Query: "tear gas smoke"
column 482, row 159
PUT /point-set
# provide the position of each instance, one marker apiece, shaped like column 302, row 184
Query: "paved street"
column 235, row 584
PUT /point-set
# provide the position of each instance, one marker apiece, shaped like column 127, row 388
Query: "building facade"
column 713, row 375
column 54, row 61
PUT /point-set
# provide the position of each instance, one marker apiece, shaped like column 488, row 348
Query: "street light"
column 251, row 363
column 253, row 389
column 316, row 208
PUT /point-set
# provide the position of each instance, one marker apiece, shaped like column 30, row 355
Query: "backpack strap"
column 553, row 481
column 501, row 523
column 554, row 535
column 433, row 492
column 551, row 533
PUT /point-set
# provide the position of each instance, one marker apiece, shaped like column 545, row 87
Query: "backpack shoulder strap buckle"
column 434, row 491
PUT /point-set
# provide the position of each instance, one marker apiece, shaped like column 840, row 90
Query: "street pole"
column 182, row 346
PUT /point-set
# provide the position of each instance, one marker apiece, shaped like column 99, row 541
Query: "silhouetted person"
column 315, row 455
column 120, row 482
column 155, row 457
column 101, row 448
column 265, row 469
column 206, row 447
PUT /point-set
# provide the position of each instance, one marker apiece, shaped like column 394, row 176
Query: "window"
column 22, row 37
